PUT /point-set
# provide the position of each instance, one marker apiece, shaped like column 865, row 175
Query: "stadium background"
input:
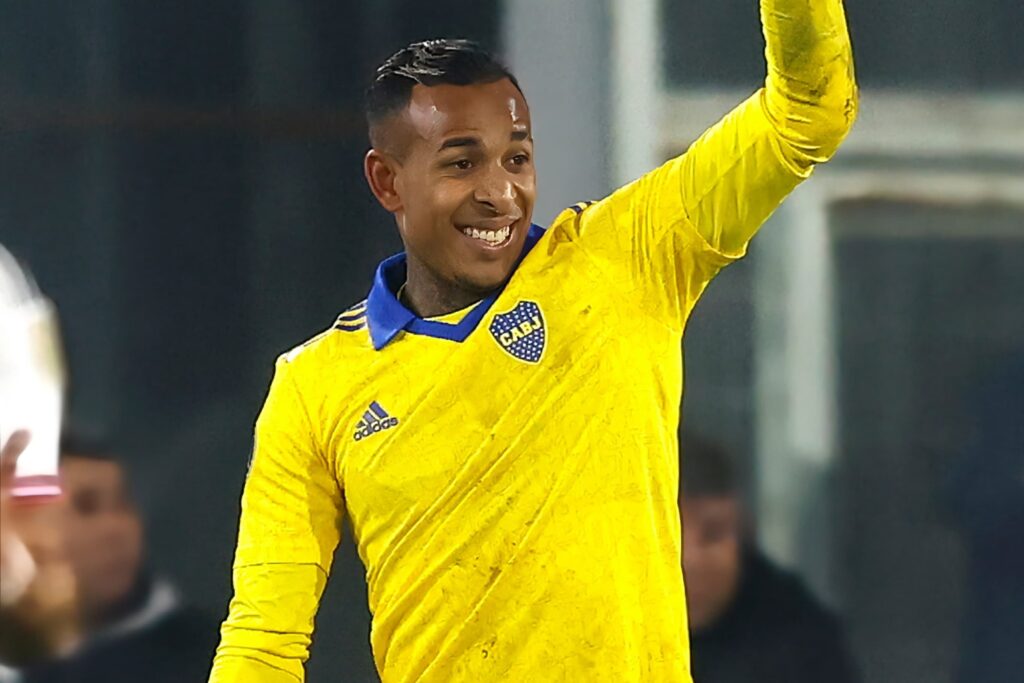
column 185, row 180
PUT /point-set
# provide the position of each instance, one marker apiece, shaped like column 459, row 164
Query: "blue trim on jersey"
column 387, row 316
column 351, row 317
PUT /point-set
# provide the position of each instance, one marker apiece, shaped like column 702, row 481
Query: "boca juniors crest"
column 521, row 332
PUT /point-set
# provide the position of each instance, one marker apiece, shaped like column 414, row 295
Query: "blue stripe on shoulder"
column 354, row 313
column 351, row 326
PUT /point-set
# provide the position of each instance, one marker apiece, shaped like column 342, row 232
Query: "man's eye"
column 463, row 164
column 521, row 159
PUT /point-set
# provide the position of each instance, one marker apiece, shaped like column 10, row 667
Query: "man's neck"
column 428, row 296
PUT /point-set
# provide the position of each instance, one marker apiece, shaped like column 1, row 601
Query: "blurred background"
column 185, row 181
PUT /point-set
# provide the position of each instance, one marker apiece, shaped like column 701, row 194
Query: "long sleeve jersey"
column 511, row 471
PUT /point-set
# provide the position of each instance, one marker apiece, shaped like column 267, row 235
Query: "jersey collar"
column 386, row 316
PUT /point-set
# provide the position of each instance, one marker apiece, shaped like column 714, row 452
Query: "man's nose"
column 497, row 191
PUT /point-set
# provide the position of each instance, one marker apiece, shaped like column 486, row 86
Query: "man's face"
column 711, row 556
column 104, row 533
column 461, row 165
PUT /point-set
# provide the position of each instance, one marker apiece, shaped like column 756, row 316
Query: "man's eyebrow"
column 459, row 142
column 520, row 134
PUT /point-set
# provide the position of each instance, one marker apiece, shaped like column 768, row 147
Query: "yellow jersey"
column 511, row 471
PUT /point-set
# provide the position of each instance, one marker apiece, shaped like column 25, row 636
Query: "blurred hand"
column 16, row 565
column 41, row 606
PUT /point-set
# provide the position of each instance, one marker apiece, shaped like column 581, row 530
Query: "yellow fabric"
column 454, row 317
column 519, row 521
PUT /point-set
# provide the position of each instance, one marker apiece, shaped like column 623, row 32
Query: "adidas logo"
column 376, row 419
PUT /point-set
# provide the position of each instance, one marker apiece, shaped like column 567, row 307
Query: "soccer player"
column 498, row 417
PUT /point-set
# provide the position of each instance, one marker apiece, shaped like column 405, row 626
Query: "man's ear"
column 381, row 171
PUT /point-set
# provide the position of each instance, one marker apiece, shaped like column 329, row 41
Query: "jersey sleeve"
column 290, row 526
column 664, row 236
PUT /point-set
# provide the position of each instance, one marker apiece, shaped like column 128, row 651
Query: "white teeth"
column 489, row 236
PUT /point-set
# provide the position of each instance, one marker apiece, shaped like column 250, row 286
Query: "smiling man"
column 498, row 418
column 453, row 163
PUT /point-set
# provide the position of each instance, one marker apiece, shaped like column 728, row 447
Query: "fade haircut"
column 446, row 61
column 705, row 468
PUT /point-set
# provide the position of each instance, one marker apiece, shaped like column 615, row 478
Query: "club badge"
column 521, row 332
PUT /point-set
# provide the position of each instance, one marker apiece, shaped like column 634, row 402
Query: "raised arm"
column 741, row 169
column 810, row 93
column 290, row 527
column 664, row 236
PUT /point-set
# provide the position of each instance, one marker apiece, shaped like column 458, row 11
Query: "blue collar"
column 386, row 316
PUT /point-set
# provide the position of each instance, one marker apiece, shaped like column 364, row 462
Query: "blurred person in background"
column 750, row 621
column 985, row 491
column 133, row 625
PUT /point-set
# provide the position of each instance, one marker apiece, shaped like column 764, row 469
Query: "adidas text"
column 363, row 431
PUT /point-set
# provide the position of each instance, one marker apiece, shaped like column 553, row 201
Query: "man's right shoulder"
column 342, row 343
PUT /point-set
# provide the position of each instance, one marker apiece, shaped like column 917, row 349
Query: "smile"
column 492, row 238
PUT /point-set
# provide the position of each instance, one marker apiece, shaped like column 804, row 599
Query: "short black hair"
column 444, row 61
column 705, row 468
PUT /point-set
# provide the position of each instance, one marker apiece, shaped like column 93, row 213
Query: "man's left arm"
column 667, row 234
column 738, row 173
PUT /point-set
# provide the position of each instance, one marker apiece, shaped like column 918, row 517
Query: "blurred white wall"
column 591, row 74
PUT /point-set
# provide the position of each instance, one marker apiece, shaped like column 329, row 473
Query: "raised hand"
column 16, row 565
